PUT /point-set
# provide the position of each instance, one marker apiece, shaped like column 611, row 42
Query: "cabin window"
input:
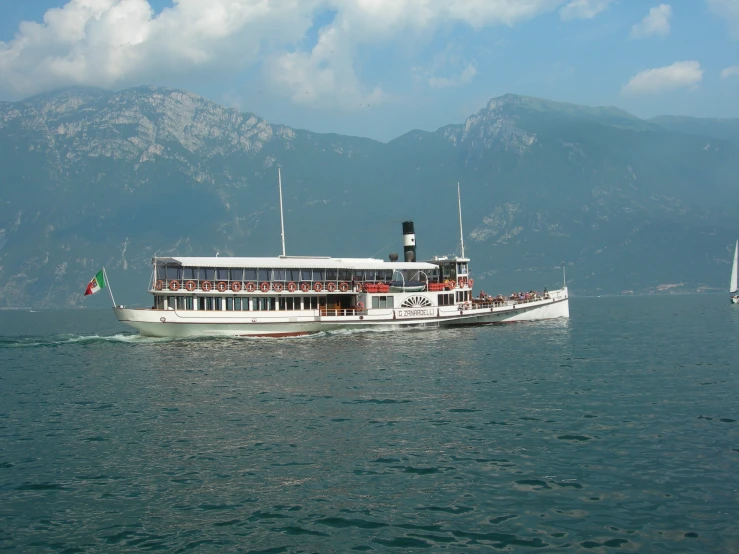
column 188, row 303
column 264, row 304
column 345, row 275
column 319, row 274
column 264, row 275
column 382, row 302
column 462, row 268
column 174, row 272
column 250, row 274
column 209, row 273
column 237, row 274
column 221, row 274
column 278, row 275
column 290, row 303
column 306, row 275
column 229, row 304
column 446, row 299
column 188, row 273
column 292, row 275
column 332, row 275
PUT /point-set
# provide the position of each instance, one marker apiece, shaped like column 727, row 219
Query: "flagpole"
column 107, row 284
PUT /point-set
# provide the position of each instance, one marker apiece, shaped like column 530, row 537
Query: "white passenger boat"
column 291, row 295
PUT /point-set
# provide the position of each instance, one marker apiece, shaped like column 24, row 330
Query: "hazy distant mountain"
column 727, row 128
column 93, row 178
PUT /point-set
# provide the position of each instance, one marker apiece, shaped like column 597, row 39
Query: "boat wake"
column 62, row 340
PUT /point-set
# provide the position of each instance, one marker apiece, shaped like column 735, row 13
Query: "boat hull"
column 181, row 324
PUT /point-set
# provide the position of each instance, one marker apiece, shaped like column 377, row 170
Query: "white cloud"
column 677, row 75
column 468, row 73
column 583, row 9
column 119, row 42
column 729, row 10
column 114, row 43
column 448, row 69
column 655, row 23
column 732, row 71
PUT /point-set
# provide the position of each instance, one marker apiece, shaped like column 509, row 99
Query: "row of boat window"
column 169, row 272
column 219, row 303
column 235, row 304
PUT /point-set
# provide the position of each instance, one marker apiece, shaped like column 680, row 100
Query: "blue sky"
column 379, row 68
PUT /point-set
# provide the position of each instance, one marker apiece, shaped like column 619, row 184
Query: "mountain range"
column 94, row 178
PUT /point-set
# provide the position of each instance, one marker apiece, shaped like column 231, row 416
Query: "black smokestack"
column 409, row 242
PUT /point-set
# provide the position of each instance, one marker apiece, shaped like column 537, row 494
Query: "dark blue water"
column 614, row 431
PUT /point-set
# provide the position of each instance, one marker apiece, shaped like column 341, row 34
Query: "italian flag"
column 97, row 283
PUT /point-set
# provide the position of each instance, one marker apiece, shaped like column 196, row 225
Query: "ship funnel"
column 409, row 241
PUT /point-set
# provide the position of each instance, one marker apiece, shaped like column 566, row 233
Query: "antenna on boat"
column 461, row 234
column 282, row 217
column 564, row 275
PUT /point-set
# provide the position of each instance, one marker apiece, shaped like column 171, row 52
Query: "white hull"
column 188, row 323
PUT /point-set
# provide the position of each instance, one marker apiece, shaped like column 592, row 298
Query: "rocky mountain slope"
column 93, row 178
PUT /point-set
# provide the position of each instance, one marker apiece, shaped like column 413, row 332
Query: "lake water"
column 616, row 430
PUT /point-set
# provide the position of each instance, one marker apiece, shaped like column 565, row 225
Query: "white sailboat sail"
column 733, row 286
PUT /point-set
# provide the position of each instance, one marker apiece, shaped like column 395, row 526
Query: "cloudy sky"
column 379, row 68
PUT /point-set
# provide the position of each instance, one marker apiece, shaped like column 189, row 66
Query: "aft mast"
column 282, row 217
column 733, row 285
column 461, row 234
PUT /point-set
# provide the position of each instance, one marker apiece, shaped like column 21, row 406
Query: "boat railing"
column 339, row 312
column 497, row 302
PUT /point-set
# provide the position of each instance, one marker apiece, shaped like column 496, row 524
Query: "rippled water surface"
column 614, row 431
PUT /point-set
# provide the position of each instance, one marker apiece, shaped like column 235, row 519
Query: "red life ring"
column 343, row 287
column 277, row 287
column 318, row 286
column 174, row 285
column 305, row 287
column 264, row 287
column 360, row 306
column 206, row 286
column 236, row 286
column 452, row 285
column 221, row 286
column 331, row 287
column 190, row 286
column 292, row 287
column 159, row 285
column 251, row 287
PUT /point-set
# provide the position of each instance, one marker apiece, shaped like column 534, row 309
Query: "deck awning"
column 294, row 263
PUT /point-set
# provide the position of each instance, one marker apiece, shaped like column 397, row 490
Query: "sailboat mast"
column 733, row 285
column 459, row 204
column 282, row 216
